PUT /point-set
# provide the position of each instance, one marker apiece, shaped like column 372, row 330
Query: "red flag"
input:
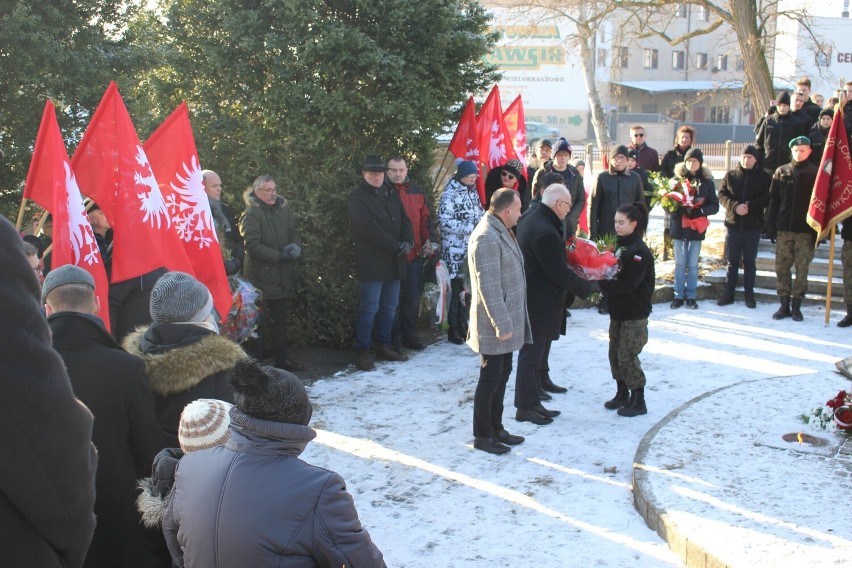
column 516, row 125
column 495, row 143
column 174, row 159
column 465, row 142
column 112, row 168
column 831, row 200
column 51, row 184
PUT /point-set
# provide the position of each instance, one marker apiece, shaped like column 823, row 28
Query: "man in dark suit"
column 548, row 281
column 113, row 385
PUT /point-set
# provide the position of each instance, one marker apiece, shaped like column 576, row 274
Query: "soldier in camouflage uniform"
column 789, row 199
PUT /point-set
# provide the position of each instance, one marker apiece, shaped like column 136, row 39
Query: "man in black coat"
column 113, row 385
column 225, row 223
column 47, row 481
column 548, row 277
column 383, row 237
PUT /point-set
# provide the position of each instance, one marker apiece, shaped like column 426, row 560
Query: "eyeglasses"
column 639, row 134
column 506, row 174
column 568, row 203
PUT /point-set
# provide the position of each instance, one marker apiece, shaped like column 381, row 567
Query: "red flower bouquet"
column 674, row 194
column 588, row 261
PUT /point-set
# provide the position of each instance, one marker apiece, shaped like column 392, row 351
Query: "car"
column 537, row 130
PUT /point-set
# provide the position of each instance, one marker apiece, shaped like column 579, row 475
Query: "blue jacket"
column 253, row 502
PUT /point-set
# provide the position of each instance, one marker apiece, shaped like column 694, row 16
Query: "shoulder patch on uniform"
column 637, row 258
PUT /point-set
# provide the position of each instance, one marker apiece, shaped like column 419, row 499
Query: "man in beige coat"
column 499, row 323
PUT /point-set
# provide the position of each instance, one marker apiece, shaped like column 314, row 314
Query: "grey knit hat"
column 178, row 297
column 65, row 274
column 271, row 394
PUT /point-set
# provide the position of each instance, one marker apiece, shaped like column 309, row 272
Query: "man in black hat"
column 644, row 175
column 744, row 194
column 382, row 235
column 614, row 188
column 572, row 179
column 819, row 135
column 789, row 200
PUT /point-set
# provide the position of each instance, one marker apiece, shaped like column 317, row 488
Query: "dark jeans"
column 494, row 371
column 405, row 322
column 741, row 245
column 527, row 380
column 378, row 303
column 272, row 323
column 455, row 318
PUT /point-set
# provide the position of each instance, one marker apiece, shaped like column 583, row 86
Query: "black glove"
column 404, row 248
column 290, row 252
column 694, row 213
column 233, row 266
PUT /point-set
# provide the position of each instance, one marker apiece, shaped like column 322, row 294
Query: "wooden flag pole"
column 830, row 273
column 21, row 214
column 441, row 170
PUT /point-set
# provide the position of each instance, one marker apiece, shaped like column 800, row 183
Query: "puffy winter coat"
column 184, row 362
column 458, row 213
column 745, row 186
column 703, row 178
column 254, row 503
column 267, row 229
column 612, row 190
column 379, row 225
column 671, row 159
column 414, row 204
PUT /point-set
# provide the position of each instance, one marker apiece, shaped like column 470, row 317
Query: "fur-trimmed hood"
column 681, row 171
column 251, row 200
column 177, row 366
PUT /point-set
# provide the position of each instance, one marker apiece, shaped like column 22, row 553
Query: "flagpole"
column 21, row 214
column 830, row 273
column 441, row 170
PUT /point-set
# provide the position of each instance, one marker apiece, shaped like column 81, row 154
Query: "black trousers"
column 527, row 379
column 130, row 303
column 272, row 323
column 494, row 371
column 405, row 323
column 742, row 245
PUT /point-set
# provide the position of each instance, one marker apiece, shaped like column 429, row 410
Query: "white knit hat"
column 204, row 424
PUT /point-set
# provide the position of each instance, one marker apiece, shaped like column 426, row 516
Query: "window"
column 703, row 14
column 650, row 109
column 739, row 65
column 680, row 10
column 650, row 57
column 720, row 114
column 620, row 55
column 701, row 61
column 678, row 60
column 722, row 63
column 601, row 59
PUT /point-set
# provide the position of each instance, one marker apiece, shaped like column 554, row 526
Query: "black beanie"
column 783, row 98
column 827, row 112
column 751, row 150
column 694, row 153
column 271, row 394
column 621, row 149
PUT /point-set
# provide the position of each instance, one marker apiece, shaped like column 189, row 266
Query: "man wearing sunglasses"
column 647, row 158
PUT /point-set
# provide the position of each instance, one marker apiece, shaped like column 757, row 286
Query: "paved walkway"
column 718, row 482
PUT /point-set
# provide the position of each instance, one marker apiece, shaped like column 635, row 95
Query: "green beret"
column 799, row 140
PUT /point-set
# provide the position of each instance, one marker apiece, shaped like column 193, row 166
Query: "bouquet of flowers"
column 674, row 194
column 591, row 260
column 838, row 409
column 241, row 320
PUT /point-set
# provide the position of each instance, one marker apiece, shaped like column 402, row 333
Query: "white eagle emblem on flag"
column 82, row 237
column 190, row 208
column 151, row 202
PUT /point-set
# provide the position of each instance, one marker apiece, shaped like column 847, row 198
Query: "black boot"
column 726, row 299
column 550, row 386
column 749, row 299
column 796, row 311
column 846, row 321
column 622, row 396
column 454, row 336
column 636, row 406
column 784, row 310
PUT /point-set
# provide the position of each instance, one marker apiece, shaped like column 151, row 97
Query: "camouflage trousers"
column 793, row 250
column 846, row 259
column 626, row 340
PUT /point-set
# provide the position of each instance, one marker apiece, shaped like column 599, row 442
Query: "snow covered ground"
column 401, row 437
